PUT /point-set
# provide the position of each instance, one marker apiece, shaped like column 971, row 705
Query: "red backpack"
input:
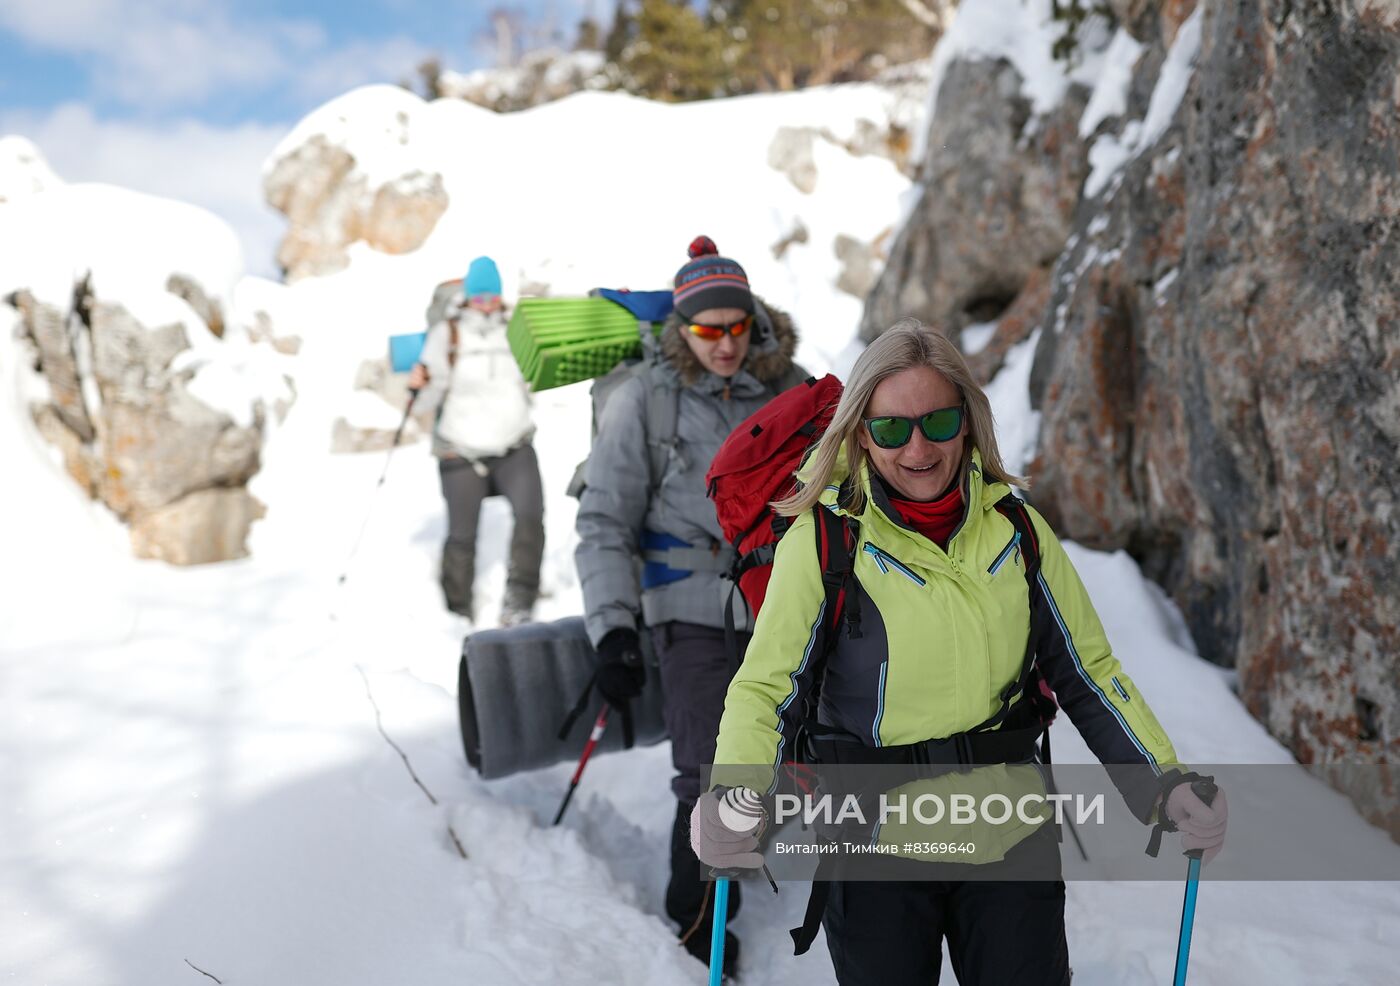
column 756, row 465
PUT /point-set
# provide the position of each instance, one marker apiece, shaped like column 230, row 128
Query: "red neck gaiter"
column 935, row 519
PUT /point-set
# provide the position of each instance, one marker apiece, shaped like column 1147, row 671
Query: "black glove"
column 620, row 671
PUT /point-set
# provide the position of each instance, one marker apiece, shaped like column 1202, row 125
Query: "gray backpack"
column 662, row 407
column 446, row 296
column 663, row 392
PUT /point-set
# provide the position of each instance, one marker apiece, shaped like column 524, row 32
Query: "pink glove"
column 1202, row 825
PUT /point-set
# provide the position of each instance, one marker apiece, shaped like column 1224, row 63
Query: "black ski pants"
column 695, row 672
column 516, row 476
column 999, row 933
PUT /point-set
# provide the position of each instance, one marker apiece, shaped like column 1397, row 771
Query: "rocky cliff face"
column 998, row 189
column 1218, row 368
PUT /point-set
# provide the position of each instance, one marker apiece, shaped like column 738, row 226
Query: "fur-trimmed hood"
column 770, row 350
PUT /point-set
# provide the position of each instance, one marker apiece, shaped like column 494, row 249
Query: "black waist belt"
column 962, row 749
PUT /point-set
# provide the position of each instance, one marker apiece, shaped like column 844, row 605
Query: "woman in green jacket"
column 947, row 618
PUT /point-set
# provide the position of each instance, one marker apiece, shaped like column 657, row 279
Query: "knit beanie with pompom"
column 710, row 281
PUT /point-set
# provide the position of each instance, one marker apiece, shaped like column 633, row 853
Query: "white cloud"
column 358, row 63
column 170, row 53
column 213, row 167
column 166, row 62
column 72, row 25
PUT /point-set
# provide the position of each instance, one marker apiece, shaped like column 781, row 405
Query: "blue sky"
column 185, row 97
column 228, row 62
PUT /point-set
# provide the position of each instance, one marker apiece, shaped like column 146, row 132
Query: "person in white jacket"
column 482, row 440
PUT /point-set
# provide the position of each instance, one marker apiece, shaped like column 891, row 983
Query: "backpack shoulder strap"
column 452, row 340
column 1013, row 508
column 837, row 536
column 663, row 410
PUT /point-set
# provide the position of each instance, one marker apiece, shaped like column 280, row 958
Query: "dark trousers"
column 516, row 476
column 695, row 672
column 688, row 900
column 999, row 933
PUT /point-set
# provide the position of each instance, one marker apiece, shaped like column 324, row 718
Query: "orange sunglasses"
column 713, row 332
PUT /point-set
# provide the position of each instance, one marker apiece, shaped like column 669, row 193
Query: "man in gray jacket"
column 651, row 552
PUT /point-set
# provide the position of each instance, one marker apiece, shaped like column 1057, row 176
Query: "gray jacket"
column 625, row 520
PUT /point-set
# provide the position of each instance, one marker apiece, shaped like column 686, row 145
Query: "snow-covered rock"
column 353, row 171
column 329, row 209
column 131, row 242
column 790, row 152
column 541, row 77
column 122, row 299
column 23, row 169
column 136, row 438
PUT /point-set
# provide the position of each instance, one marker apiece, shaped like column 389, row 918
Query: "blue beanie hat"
column 482, row 278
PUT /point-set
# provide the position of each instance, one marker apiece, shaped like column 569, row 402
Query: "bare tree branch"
column 379, row 722
column 461, row 851
column 202, row 972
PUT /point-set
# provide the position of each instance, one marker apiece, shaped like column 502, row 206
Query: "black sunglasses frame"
column 918, row 423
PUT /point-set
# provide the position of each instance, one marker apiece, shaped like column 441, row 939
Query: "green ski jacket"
column 942, row 632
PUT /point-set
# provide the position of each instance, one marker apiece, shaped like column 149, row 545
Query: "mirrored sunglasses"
column 713, row 332
column 890, row 431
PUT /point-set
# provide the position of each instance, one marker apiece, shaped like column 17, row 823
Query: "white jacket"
column 485, row 402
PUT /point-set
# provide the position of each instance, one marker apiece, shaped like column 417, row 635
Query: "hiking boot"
column 698, row 945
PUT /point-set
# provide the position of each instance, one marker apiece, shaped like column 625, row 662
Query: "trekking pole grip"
column 1205, row 790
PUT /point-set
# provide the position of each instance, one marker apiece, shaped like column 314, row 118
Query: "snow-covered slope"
column 130, row 244
column 604, row 189
column 23, row 170
column 192, row 772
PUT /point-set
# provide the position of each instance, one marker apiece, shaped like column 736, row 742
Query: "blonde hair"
column 908, row 344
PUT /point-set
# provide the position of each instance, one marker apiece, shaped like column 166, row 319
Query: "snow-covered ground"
column 192, row 772
column 193, row 775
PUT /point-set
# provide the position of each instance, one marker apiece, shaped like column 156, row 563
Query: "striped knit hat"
column 710, row 281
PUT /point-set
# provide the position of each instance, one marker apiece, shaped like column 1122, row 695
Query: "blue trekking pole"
column 1204, row 790
column 717, row 930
